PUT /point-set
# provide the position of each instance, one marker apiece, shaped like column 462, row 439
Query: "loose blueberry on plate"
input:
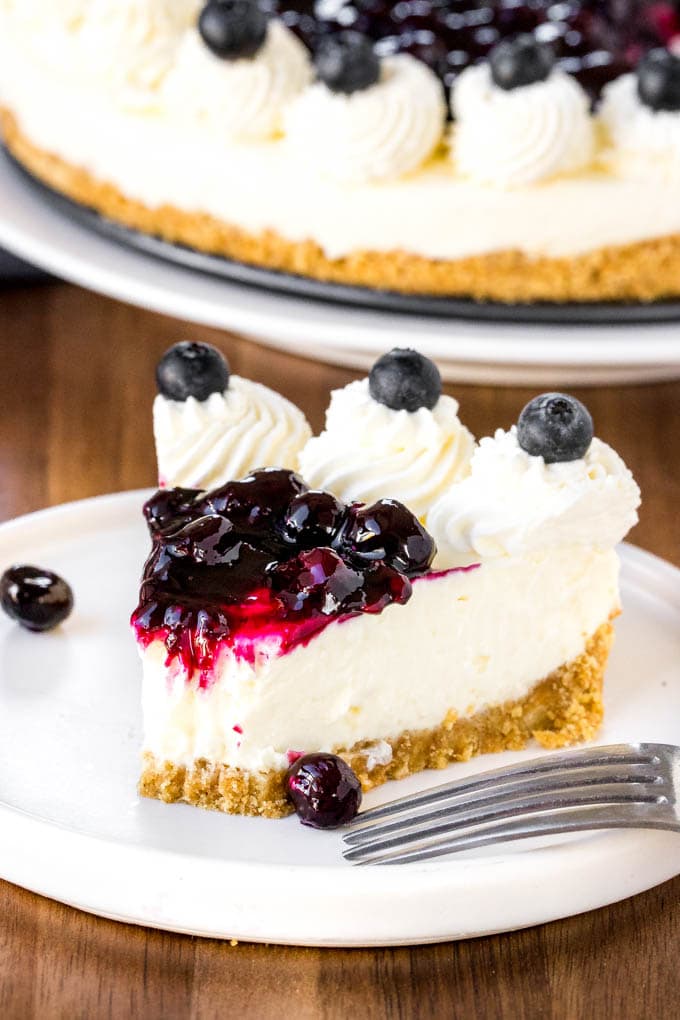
column 347, row 62
column 192, row 370
column 556, row 427
column 37, row 599
column 233, row 29
column 405, row 380
column 520, row 61
column 658, row 80
column 324, row 790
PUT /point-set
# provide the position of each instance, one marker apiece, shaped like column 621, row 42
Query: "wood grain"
column 76, row 387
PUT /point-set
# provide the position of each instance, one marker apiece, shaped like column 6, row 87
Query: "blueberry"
column 318, row 582
column 520, row 61
column 325, row 791
column 232, row 29
column 257, row 500
column 405, row 381
column 192, row 370
column 37, row 599
column 658, row 80
column 170, row 508
column 207, row 541
column 387, row 532
column 346, row 62
column 313, row 519
column 556, row 427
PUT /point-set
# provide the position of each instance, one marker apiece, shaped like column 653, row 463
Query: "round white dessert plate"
column 467, row 351
column 74, row 829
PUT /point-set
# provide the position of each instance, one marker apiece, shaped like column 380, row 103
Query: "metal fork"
column 623, row 786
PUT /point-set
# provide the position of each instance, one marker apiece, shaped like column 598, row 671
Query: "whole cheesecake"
column 405, row 599
column 491, row 149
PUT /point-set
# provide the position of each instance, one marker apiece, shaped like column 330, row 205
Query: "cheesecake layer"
column 562, row 709
column 634, row 255
column 465, row 641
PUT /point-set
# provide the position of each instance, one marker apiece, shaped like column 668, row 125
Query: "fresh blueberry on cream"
column 347, row 62
column 520, row 61
column 233, row 29
column 556, row 427
column 405, row 381
column 658, row 80
column 192, row 370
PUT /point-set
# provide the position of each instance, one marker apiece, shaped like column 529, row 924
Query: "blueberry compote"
column 596, row 40
column 266, row 559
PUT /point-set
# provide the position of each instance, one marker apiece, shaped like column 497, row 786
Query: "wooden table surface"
column 76, row 385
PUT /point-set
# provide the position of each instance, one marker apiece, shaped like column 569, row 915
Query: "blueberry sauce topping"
column 233, row 29
column 658, row 80
column 192, row 370
column 405, row 380
column 267, row 558
column 520, row 61
column 596, row 40
column 37, row 599
column 556, row 427
column 347, row 62
column 325, row 792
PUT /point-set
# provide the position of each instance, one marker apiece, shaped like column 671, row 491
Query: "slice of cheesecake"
column 277, row 620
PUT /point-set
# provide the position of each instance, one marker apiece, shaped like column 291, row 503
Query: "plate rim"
column 424, row 880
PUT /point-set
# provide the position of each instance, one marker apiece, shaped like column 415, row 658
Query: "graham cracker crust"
column 644, row 271
column 562, row 709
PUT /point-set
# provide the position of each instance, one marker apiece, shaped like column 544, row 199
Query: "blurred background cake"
column 494, row 149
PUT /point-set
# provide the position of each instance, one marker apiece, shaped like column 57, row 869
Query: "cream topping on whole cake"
column 517, row 137
column 514, row 504
column 241, row 99
column 369, row 451
column 205, row 443
column 379, row 133
column 646, row 141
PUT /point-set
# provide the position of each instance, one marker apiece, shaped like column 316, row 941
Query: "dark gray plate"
column 365, row 297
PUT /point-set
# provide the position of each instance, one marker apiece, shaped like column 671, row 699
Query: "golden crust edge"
column 564, row 708
column 643, row 271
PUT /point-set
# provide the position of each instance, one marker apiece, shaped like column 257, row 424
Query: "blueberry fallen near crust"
column 658, row 80
column 233, row 29
column 556, row 427
column 325, row 792
column 405, row 380
column 520, row 61
column 347, row 62
column 37, row 599
column 192, row 370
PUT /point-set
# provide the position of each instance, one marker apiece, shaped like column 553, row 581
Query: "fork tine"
column 461, row 805
column 533, row 804
column 628, row 816
column 622, row 754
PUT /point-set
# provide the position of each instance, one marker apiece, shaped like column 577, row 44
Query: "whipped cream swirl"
column 645, row 140
column 241, row 99
column 132, row 45
column 368, row 451
column 517, row 137
column 376, row 134
column 202, row 444
column 513, row 503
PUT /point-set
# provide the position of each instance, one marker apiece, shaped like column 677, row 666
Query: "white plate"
column 466, row 351
column 74, row 829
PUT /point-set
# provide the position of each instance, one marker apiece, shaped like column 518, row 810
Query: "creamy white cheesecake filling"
column 157, row 158
column 465, row 641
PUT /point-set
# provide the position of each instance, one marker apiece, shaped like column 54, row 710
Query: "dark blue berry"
column 192, row 370
column 405, row 381
column 313, row 519
column 37, row 599
column 658, row 80
column 347, row 62
column 387, row 532
column 318, row 581
column 258, row 500
column 325, row 792
column 233, row 29
column 520, row 61
column 170, row 508
column 556, row 427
